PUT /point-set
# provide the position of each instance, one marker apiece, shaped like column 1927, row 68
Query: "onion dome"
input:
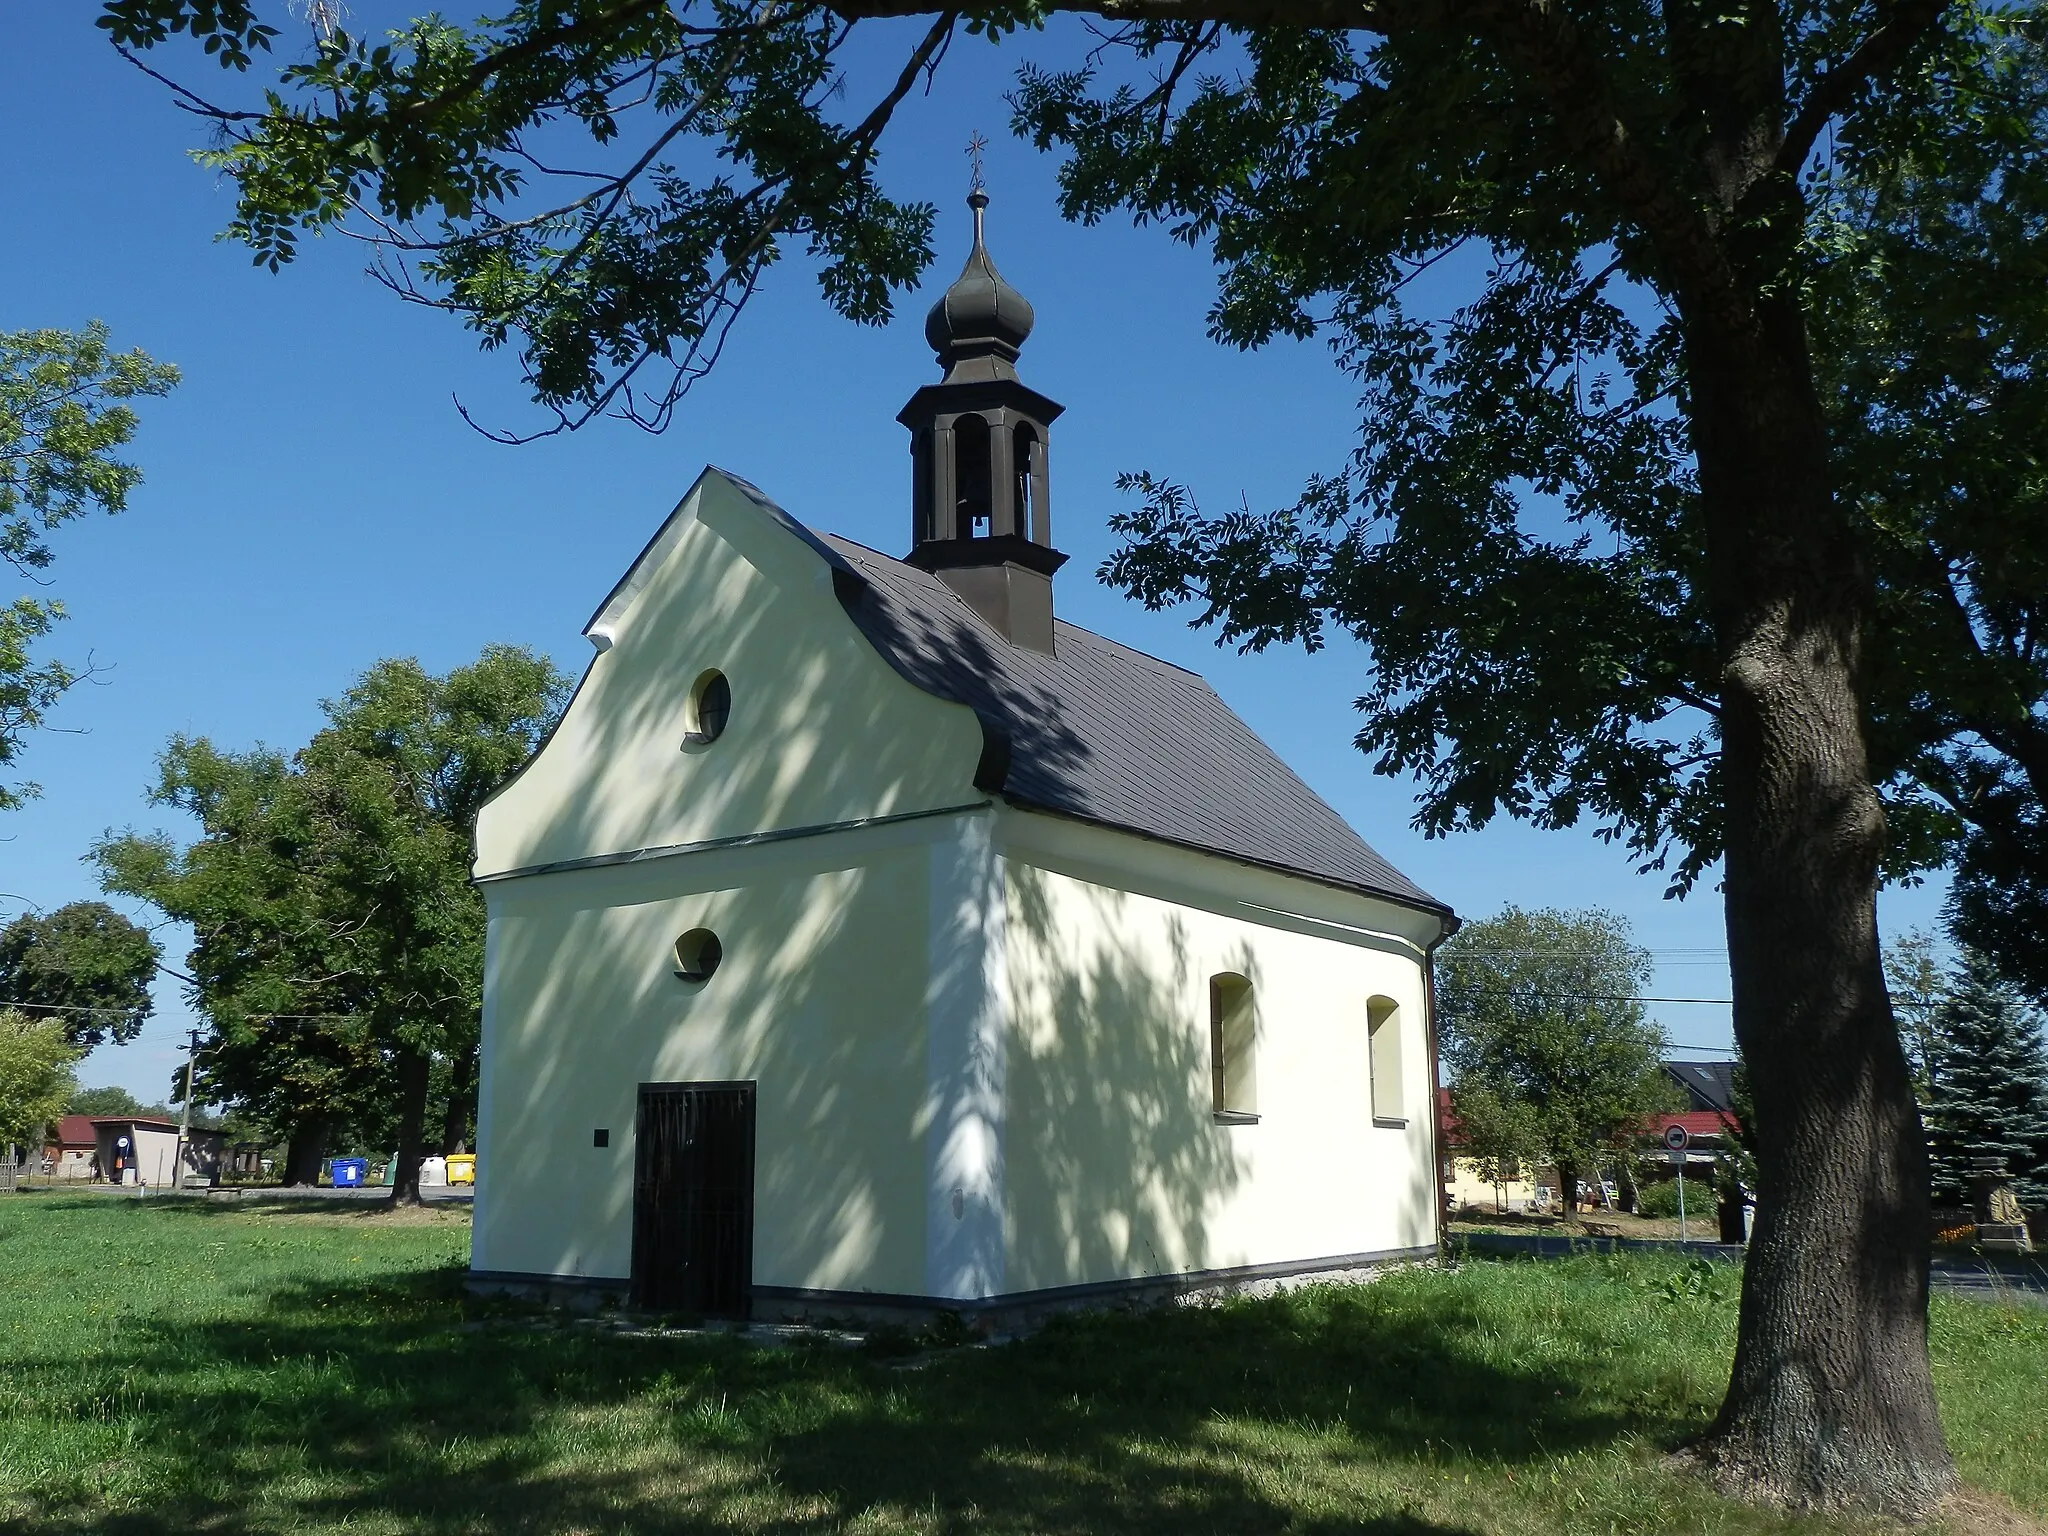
column 980, row 315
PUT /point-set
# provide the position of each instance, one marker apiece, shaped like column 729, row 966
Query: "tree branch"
column 1905, row 23
column 1330, row 15
column 1547, row 44
column 532, row 46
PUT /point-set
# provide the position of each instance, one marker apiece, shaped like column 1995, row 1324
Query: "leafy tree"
column 267, row 926
column 1542, row 1027
column 1498, row 1132
column 113, row 1100
column 1998, row 902
column 1933, row 347
column 339, row 948
column 84, row 964
column 1913, row 972
column 35, row 1075
column 1598, row 537
column 61, row 419
column 1989, row 1097
column 404, row 767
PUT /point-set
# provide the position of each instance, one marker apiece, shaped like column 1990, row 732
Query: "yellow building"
column 865, row 936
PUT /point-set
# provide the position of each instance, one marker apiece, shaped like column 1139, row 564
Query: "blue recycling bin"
column 351, row 1172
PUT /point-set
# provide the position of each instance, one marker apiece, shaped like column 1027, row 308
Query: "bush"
column 1661, row 1199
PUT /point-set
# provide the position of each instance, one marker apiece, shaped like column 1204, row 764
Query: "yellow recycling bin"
column 462, row 1168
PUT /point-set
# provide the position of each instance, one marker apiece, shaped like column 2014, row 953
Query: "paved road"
column 2018, row 1283
column 2014, row 1281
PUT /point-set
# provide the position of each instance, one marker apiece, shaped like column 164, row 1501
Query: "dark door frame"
column 729, row 1291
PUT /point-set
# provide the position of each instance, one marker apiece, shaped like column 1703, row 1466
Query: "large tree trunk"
column 461, row 1101
column 305, row 1151
column 1831, row 1399
column 413, row 1078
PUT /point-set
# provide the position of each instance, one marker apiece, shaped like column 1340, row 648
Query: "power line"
column 257, row 1018
column 22, row 1002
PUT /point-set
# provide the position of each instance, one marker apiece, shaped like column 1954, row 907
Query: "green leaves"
column 62, row 416
column 1987, row 1094
column 1516, row 540
column 456, row 149
column 329, row 894
column 35, row 1075
column 86, row 964
column 1931, row 300
column 1545, row 1036
column 226, row 29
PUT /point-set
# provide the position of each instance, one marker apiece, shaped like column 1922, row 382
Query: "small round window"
column 697, row 954
column 710, row 708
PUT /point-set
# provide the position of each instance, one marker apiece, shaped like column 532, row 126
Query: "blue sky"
column 314, row 502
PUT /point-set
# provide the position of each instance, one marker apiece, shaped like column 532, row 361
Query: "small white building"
column 139, row 1150
column 864, row 936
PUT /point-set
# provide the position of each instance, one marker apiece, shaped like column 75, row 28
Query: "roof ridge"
column 1058, row 623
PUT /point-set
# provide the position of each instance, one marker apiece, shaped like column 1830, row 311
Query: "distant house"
column 70, row 1147
column 1709, row 1117
column 1463, row 1176
column 149, row 1146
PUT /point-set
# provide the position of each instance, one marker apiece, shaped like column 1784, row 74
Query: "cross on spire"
column 975, row 145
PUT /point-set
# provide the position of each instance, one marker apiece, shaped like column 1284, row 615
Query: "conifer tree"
column 1989, row 1096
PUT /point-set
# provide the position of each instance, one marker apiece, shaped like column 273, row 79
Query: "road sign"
column 1676, row 1138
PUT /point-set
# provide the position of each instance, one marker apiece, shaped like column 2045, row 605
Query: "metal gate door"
column 693, row 1198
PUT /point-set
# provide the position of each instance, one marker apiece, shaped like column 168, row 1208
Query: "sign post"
column 1678, row 1139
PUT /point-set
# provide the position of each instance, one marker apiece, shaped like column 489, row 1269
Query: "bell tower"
column 981, row 519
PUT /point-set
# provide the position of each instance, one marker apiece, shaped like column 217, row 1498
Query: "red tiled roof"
column 76, row 1131
column 1697, row 1122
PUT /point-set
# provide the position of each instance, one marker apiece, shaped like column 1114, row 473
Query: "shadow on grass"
column 402, row 1404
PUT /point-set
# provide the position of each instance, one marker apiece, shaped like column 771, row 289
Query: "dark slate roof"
column 1098, row 731
column 1709, row 1084
column 1105, row 733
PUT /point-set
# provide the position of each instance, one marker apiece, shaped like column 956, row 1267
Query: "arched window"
column 1383, row 1030
column 1024, row 478
column 971, row 477
column 1233, row 1048
column 921, row 471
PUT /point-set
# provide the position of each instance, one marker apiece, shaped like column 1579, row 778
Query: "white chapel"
column 867, row 937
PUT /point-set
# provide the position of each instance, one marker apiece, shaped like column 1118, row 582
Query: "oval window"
column 710, row 708
column 697, row 954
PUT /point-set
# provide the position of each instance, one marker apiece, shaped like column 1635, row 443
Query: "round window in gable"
column 710, row 708
column 697, row 954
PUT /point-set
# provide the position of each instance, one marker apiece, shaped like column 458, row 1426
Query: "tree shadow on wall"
column 1114, row 1164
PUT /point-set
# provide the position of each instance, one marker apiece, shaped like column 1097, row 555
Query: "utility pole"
column 185, row 1111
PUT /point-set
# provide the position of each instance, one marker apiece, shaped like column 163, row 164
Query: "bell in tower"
column 980, row 519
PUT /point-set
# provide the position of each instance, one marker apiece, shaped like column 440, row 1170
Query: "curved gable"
column 822, row 731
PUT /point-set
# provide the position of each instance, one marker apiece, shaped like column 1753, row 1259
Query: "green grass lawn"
column 180, row 1367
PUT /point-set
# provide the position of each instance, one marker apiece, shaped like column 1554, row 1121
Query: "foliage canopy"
column 1545, row 1035
column 35, row 1074
column 85, row 964
column 339, row 944
column 63, row 413
column 1987, row 1096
